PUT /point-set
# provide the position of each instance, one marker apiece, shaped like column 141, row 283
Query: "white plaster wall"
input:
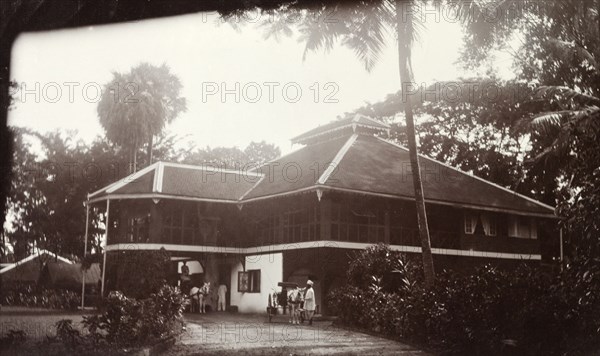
column 271, row 272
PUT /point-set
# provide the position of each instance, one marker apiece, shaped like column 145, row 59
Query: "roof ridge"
column 473, row 176
column 291, row 153
column 251, row 188
column 215, row 169
column 373, row 120
column 157, row 185
column 124, row 181
column 337, row 159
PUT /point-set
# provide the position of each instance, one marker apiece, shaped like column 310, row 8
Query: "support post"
column 105, row 245
column 562, row 256
column 85, row 237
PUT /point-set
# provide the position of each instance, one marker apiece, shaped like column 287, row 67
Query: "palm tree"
column 577, row 113
column 362, row 27
column 136, row 106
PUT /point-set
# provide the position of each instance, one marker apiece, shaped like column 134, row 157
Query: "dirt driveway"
column 228, row 334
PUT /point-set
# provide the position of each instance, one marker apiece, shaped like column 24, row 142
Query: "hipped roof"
column 353, row 162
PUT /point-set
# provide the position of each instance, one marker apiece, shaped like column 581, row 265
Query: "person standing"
column 295, row 298
column 221, row 297
column 309, row 301
column 185, row 278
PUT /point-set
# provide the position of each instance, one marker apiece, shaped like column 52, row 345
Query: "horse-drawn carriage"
column 279, row 305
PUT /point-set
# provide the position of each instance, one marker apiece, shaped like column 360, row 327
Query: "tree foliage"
column 136, row 106
column 49, row 188
column 233, row 157
column 560, row 53
column 53, row 173
column 475, row 124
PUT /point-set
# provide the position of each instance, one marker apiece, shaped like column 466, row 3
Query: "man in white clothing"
column 309, row 301
column 221, row 297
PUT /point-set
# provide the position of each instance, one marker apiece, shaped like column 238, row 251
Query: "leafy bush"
column 126, row 321
column 39, row 297
column 523, row 311
column 164, row 310
column 67, row 334
column 140, row 273
column 374, row 262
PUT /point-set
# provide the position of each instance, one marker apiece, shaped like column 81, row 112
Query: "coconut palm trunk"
column 362, row 29
column 149, row 149
column 404, row 52
column 133, row 162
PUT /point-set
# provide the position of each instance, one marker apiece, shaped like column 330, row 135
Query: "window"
column 184, row 225
column 470, row 222
column 481, row 223
column 268, row 229
column 493, row 227
column 249, row 281
column 357, row 224
column 137, row 229
column 522, row 227
column 189, row 226
column 488, row 220
column 295, row 225
column 172, row 224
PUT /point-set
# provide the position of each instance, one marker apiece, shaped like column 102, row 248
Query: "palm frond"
column 366, row 33
column 279, row 24
column 361, row 27
column 564, row 95
column 564, row 126
column 320, row 33
column 546, row 123
column 566, row 50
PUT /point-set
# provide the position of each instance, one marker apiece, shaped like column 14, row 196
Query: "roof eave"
column 324, row 187
column 539, row 203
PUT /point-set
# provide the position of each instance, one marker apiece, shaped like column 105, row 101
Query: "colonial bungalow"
column 298, row 217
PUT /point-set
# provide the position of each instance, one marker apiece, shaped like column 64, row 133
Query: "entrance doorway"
column 196, row 273
column 225, row 279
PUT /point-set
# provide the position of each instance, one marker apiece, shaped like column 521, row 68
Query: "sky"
column 239, row 86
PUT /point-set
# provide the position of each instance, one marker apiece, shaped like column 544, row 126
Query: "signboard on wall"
column 243, row 281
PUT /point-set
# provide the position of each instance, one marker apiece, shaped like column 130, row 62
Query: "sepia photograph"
column 300, row 177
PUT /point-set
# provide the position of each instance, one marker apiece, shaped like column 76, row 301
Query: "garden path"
column 228, row 334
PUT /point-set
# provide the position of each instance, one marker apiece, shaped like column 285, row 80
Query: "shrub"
column 28, row 295
column 364, row 299
column 522, row 311
column 164, row 310
column 126, row 321
column 374, row 262
column 67, row 334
